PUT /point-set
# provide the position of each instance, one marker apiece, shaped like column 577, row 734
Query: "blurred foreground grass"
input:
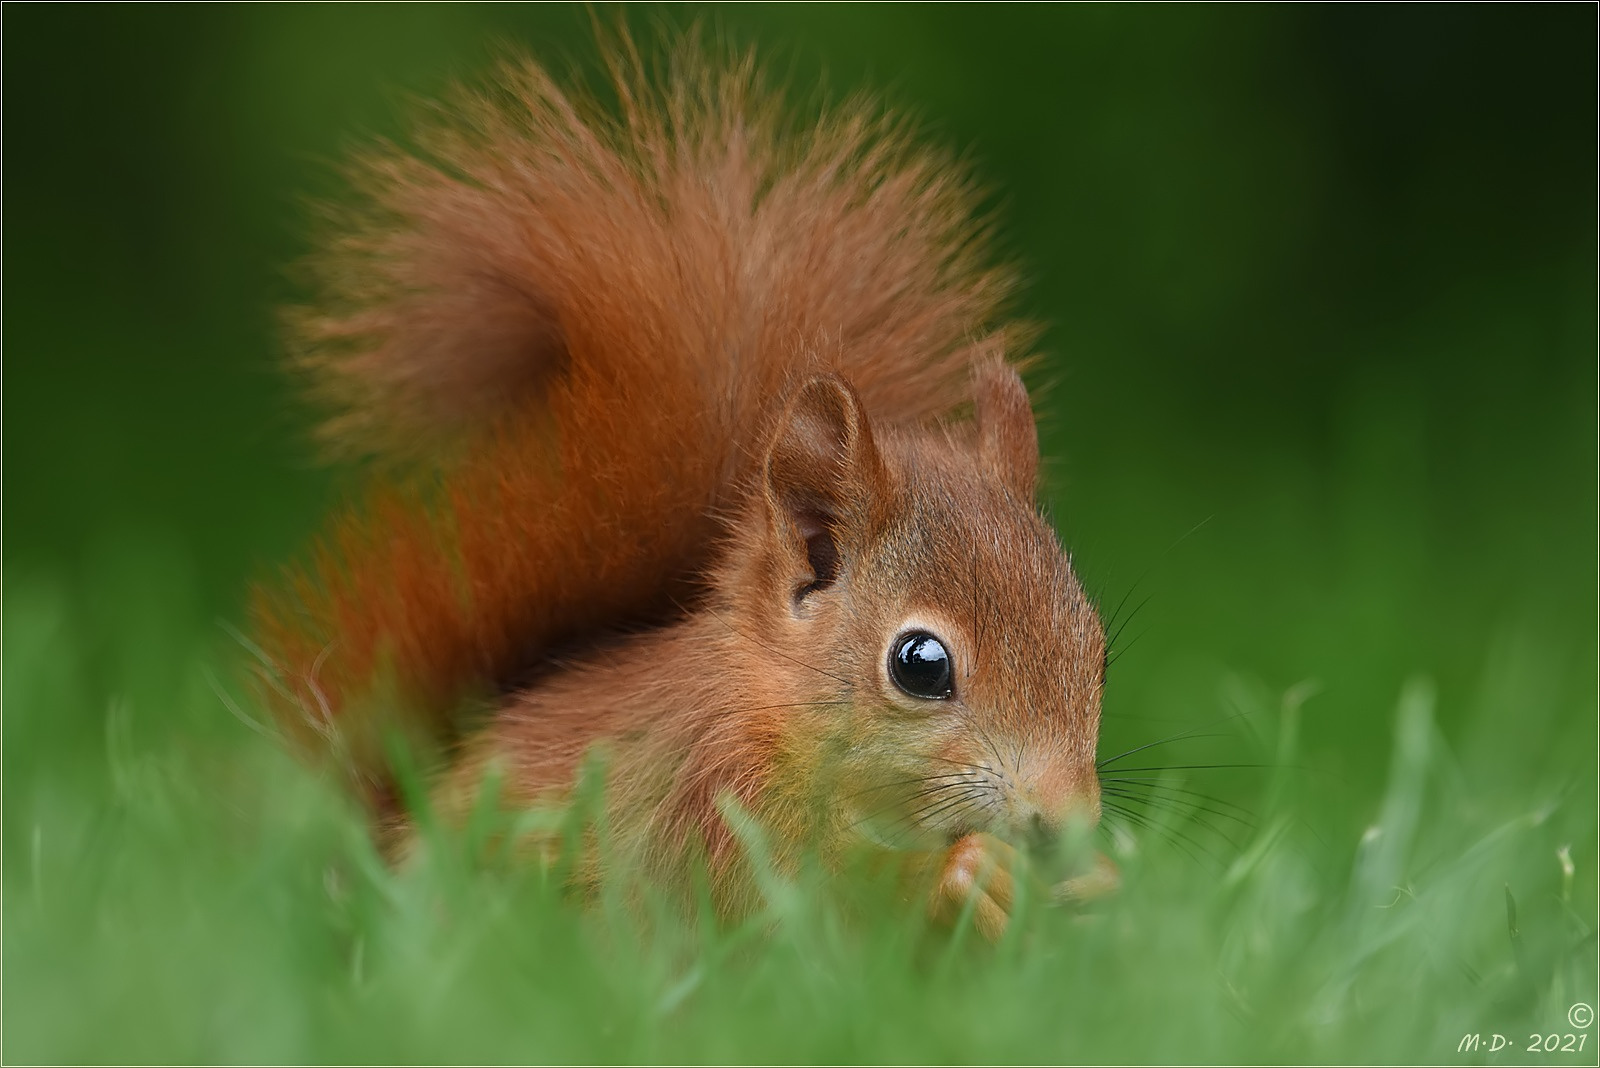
column 1323, row 274
column 177, row 889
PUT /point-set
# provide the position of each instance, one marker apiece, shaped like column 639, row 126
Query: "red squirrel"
column 674, row 401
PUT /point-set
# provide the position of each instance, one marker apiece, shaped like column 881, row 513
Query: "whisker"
column 1186, row 735
column 1194, row 812
column 988, row 742
column 1166, row 782
column 1212, row 767
column 905, row 782
column 1112, row 621
column 1183, row 803
column 957, row 804
column 1187, row 803
column 1175, row 836
column 928, row 812
column 1117, row 611
column 960, row 764
column 1144, row 823
column 1238, row 812
column 1116, row 654
column 1111, row 642
column 1192, row 732
column 913, row 799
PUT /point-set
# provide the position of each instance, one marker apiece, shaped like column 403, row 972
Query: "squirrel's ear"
column 824, row 478
column 1008, row 440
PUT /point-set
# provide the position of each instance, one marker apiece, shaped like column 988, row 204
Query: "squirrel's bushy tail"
column 582, row 319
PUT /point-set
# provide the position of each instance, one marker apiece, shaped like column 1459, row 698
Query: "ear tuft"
column 1008, row 440
column 823, row 475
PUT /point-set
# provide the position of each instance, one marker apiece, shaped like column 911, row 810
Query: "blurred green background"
column 1319, row 282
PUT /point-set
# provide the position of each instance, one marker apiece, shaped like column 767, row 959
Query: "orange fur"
column 653, row 365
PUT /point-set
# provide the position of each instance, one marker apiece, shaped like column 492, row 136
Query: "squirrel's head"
column 908, row 592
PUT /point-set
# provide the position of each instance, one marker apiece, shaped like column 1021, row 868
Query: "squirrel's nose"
column 1040, row 836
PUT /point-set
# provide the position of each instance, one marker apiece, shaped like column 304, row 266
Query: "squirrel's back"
column 573, row 328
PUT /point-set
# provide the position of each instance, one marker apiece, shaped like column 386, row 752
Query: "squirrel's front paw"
column 1100, row 880
column 977, row 871
column 981, row 870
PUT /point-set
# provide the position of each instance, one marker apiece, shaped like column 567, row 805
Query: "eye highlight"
column 920, row 665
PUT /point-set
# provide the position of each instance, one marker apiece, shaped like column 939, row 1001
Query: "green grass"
column 1323, row 274
column 177, row 889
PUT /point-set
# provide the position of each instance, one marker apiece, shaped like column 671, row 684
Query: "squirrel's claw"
column 977, row 869
column 980, row 871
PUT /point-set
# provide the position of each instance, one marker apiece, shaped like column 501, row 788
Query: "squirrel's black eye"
column 920, row 665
